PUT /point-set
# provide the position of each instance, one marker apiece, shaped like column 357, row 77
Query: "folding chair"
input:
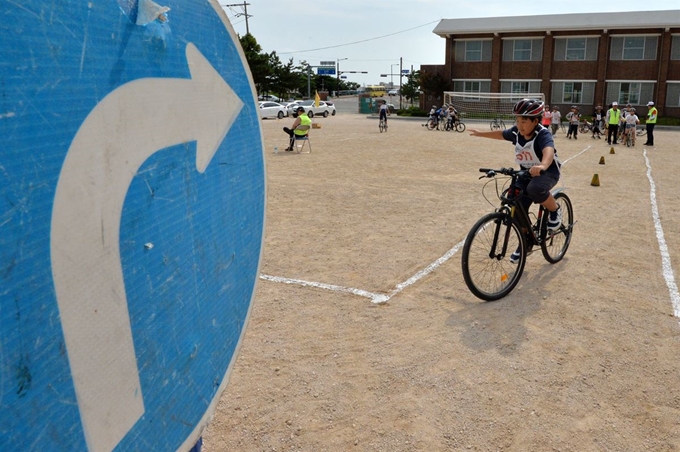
column 301, row 140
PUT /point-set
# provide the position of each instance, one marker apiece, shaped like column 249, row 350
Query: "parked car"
column 272, row 110
column 312, row 110
column 393, row 92
column 291, row 107
column 270, row 98
column 331, row 106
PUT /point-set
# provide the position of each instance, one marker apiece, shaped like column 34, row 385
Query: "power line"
column 245, row 13
column 359, row 42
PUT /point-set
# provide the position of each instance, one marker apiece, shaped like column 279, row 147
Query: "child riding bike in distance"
column 534, row 151
column 384, row 111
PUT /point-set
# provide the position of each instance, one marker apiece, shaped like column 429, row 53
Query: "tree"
column 433, row 84
column 411, row 89
column 258, row 62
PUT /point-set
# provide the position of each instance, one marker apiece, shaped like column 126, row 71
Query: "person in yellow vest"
column 302, row 119
column 652, row 113
column 612, row 120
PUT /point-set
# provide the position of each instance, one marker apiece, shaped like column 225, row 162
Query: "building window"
column 629, row 93
column 471, row 51
column 520, row 86
column 634, row 93
column 472, row 87
column 673, row 94
column 675, row 47
column 576, row 49
column 522, row 49
column 634, row 48
column 573, row 92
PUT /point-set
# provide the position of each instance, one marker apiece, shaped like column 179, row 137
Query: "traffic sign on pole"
column 132, row 219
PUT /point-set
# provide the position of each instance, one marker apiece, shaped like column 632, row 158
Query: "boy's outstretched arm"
column 495, row 134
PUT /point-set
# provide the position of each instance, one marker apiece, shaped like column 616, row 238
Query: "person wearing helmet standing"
column 652, row 113
column 535, row 151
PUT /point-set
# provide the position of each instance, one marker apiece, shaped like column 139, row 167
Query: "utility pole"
column 401, row 74
column 245, row 13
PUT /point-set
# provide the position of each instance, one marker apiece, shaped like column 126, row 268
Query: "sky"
column 373, row 35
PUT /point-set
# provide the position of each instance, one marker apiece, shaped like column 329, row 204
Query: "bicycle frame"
column 511, row 205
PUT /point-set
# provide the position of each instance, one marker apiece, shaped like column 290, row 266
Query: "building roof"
column 553, row 22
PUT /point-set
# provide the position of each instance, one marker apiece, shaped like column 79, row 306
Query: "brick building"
column 574, row 59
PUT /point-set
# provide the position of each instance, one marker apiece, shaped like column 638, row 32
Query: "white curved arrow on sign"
column 117, row 137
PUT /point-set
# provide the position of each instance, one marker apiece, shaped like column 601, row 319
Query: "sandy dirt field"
column 583, row 355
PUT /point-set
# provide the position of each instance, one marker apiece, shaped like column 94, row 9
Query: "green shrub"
column 412, row 111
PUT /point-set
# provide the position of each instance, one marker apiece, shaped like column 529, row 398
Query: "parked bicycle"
column 497, row 124
column 585, row 126
column 487, row 269
column 640, row 130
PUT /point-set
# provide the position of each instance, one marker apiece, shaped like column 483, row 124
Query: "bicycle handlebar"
column 505, row 171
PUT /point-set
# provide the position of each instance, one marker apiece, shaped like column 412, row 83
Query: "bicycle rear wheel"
column 487, row 269
column 494, row 125
column 460, row 127
column 382, row 126
column 431, row 124
column 554, row 244
column 640, row 131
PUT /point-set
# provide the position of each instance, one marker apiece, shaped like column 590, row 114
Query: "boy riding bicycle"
column 631, row 121
column 534, row 151
column 384, row 111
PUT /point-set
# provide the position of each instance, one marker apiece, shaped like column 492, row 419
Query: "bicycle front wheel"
column 487, row 269
column 382, row 126
column 460, row 127
column 431, row 124
column 554, row 244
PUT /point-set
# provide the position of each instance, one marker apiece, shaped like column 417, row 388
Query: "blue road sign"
column 325, row 71
column 405, row 71
column 131, row 220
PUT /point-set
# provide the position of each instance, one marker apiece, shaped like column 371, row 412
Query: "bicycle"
column 487, row 269
column 455, row 124
column 497, row 124
column 640, row 130
column 585, row 126
column 382, row 125
column 432, row 122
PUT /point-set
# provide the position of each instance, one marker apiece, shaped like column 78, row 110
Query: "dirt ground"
column 583, row 355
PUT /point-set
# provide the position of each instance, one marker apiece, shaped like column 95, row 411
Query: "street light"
column 392, row 74
column 337, row 73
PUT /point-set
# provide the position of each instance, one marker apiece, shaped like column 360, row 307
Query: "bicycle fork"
column 504, row 227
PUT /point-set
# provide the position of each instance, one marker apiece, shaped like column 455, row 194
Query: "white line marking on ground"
column 663, row 248
column 380, row 298
column 376, row 298
column 574, row 156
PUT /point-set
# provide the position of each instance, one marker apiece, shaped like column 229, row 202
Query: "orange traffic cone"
column 602, row 160
column 596, row 180
column 611, row 151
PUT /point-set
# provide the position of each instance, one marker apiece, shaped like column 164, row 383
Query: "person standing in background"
column 613, row 118
column 652, row 114
column 574, row 117
column 555, row 120
column 547, row 117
